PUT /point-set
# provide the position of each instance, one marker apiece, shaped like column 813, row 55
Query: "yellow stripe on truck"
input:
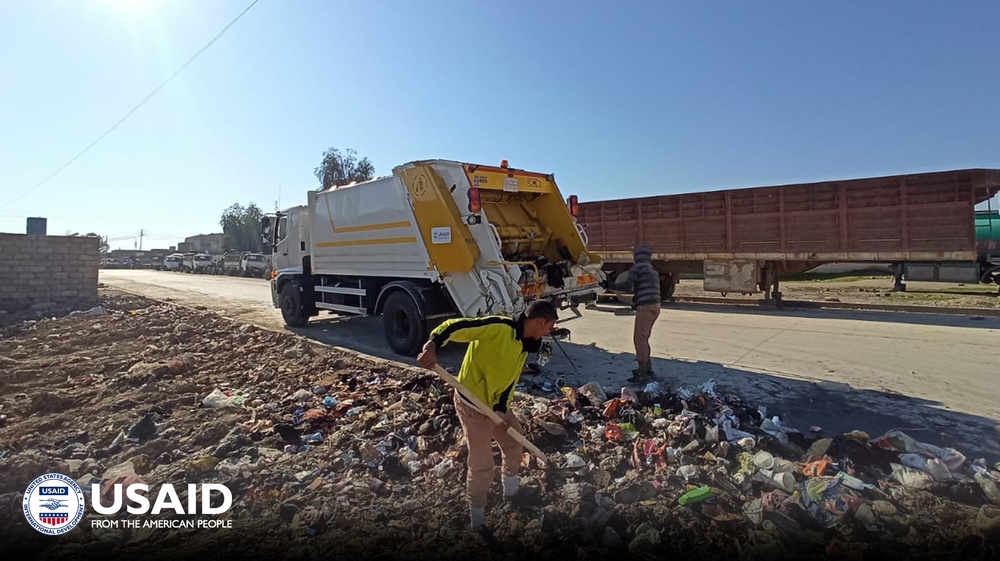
column 370, row 227
column 376, row 241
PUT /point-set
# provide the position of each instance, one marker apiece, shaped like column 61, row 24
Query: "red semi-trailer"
column 746, row 240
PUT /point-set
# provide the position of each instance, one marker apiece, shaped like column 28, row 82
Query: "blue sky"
column 616, row 99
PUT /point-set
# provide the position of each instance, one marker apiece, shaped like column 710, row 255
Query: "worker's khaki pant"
column 480, row 431
column 645, row 317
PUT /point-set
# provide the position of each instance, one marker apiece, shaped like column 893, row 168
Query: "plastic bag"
column 574, row 461
column 595, row 393
column 913, row 461
column 911, row 478
column 216, row 400
column 628, row 394
column 653, row 389
column 688, row 472
column 628, row 432
column 853, row 482
column 708, row 387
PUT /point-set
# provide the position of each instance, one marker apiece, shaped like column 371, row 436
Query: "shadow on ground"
column 834, row 407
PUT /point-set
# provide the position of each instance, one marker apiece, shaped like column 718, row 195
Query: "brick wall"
column 38, row 271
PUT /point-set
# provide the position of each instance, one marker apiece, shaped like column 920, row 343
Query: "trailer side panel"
column 926, row 216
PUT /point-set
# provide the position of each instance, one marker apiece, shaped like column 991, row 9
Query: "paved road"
column 936, row 376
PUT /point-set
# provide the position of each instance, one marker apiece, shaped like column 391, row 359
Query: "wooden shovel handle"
column 453, row 382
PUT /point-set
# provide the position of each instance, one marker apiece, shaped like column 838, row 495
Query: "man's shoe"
column 491, row 540
column 639, row 377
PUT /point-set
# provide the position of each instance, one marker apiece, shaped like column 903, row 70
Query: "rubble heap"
column 329, row 453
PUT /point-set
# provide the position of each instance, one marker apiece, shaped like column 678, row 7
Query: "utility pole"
column 141, row 233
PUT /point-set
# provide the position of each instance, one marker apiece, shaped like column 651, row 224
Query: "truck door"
column 286, row 249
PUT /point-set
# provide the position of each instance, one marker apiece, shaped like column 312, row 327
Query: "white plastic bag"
column 216, row 400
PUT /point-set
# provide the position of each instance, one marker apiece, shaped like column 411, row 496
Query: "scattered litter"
column 217, row 399
column 695, row 496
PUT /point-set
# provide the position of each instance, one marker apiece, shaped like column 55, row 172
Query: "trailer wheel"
column 405, row 328
column 291, row 306
column 667, row 286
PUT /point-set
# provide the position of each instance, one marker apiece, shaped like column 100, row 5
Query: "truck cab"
column 291, row 234
column 172, row 262
column 253, row 264
column 201, row 263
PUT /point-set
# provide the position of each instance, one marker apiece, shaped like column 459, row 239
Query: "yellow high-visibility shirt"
column 495, row 357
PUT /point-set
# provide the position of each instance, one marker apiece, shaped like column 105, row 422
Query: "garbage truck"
column 436, row 239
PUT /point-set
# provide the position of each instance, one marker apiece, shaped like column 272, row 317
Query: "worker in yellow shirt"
column 498, row 348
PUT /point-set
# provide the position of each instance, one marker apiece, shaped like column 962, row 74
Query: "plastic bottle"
column 938, row 470
column 695, row 496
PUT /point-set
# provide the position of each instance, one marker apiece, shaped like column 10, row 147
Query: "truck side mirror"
column 265, row 230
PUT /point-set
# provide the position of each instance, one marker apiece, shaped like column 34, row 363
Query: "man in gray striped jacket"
column 646, row 299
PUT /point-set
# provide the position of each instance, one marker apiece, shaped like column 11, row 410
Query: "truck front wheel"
column 405, row 328
column 291, row 306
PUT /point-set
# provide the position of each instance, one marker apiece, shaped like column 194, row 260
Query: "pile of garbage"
column 327, row 453
column 712, row 476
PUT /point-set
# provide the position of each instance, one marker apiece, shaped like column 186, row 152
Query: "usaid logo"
column 53, row 504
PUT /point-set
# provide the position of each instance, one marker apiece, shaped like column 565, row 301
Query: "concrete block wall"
column 40, row 271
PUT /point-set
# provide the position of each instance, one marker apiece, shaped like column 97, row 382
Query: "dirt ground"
column 131, row 392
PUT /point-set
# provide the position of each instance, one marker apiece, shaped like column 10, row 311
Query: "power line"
column 20, row 215
column 136, row 108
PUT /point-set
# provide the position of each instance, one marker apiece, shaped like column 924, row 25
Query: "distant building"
column 121, row 254
column 204, row 243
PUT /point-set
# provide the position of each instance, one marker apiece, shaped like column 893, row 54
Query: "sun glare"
column 136, row 7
